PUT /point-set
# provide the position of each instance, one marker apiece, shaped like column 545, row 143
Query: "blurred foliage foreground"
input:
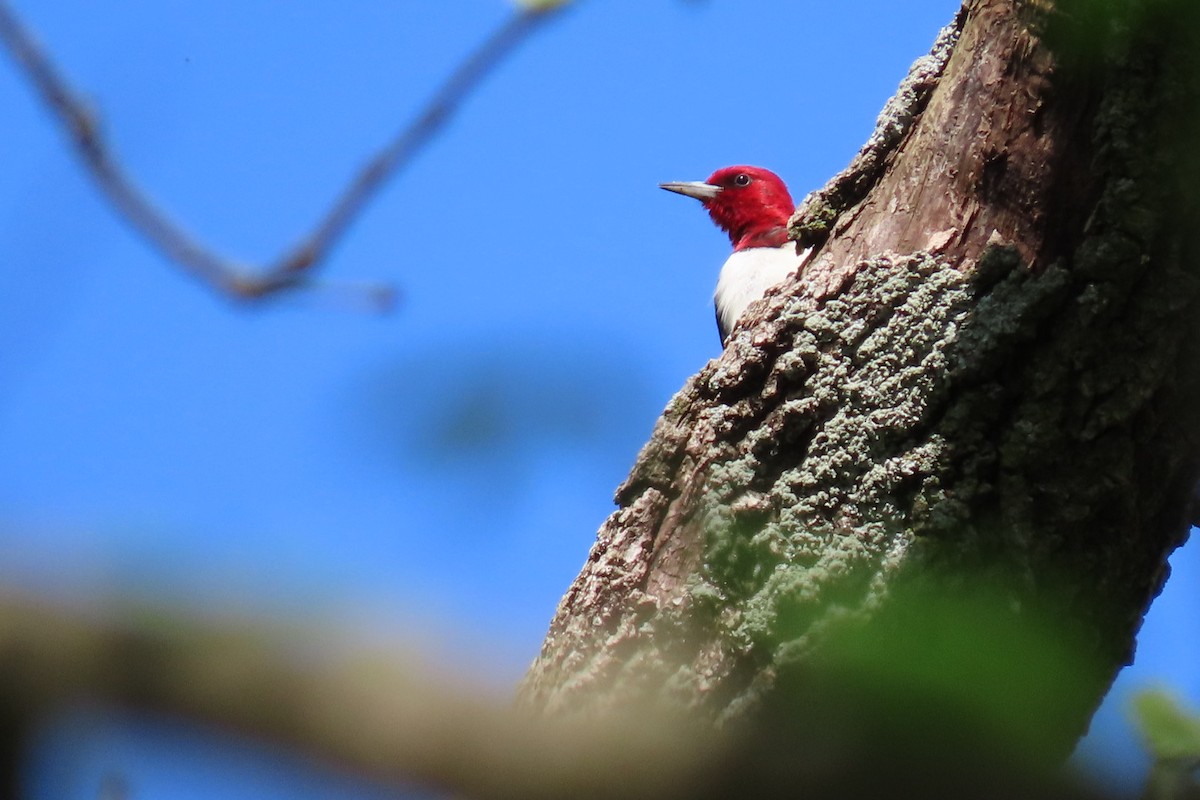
column 871, row 718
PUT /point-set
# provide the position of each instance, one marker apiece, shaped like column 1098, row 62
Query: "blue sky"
column 415, row 475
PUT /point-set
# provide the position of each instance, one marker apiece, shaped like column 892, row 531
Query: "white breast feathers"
column 747, row 275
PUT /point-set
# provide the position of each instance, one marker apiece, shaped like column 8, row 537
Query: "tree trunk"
column 986, row 377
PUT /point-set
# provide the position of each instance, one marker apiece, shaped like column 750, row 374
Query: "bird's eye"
column 742, row 179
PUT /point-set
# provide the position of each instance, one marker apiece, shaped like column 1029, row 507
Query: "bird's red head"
column 751, row 204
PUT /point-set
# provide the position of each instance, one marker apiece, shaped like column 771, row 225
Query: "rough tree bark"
column 988, row 369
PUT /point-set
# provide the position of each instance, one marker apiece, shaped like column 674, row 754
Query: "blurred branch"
column 294, row 268
column 375, row 714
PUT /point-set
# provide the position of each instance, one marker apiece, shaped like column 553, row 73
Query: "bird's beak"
column 697, row 189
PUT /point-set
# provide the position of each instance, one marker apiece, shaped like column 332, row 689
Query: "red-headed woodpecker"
column 752, row 205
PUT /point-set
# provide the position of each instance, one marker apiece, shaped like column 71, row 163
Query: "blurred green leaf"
column 948, row 661
column 1171, row 731
column 1087, row 32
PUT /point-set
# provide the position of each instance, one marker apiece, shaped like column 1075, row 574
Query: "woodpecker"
column 752, row 206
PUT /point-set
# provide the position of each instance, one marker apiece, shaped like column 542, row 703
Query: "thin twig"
column 294, row 268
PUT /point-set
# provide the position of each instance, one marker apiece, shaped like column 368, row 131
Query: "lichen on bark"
column 986, row 375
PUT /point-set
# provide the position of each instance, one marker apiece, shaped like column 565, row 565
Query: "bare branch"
column 294, row 268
